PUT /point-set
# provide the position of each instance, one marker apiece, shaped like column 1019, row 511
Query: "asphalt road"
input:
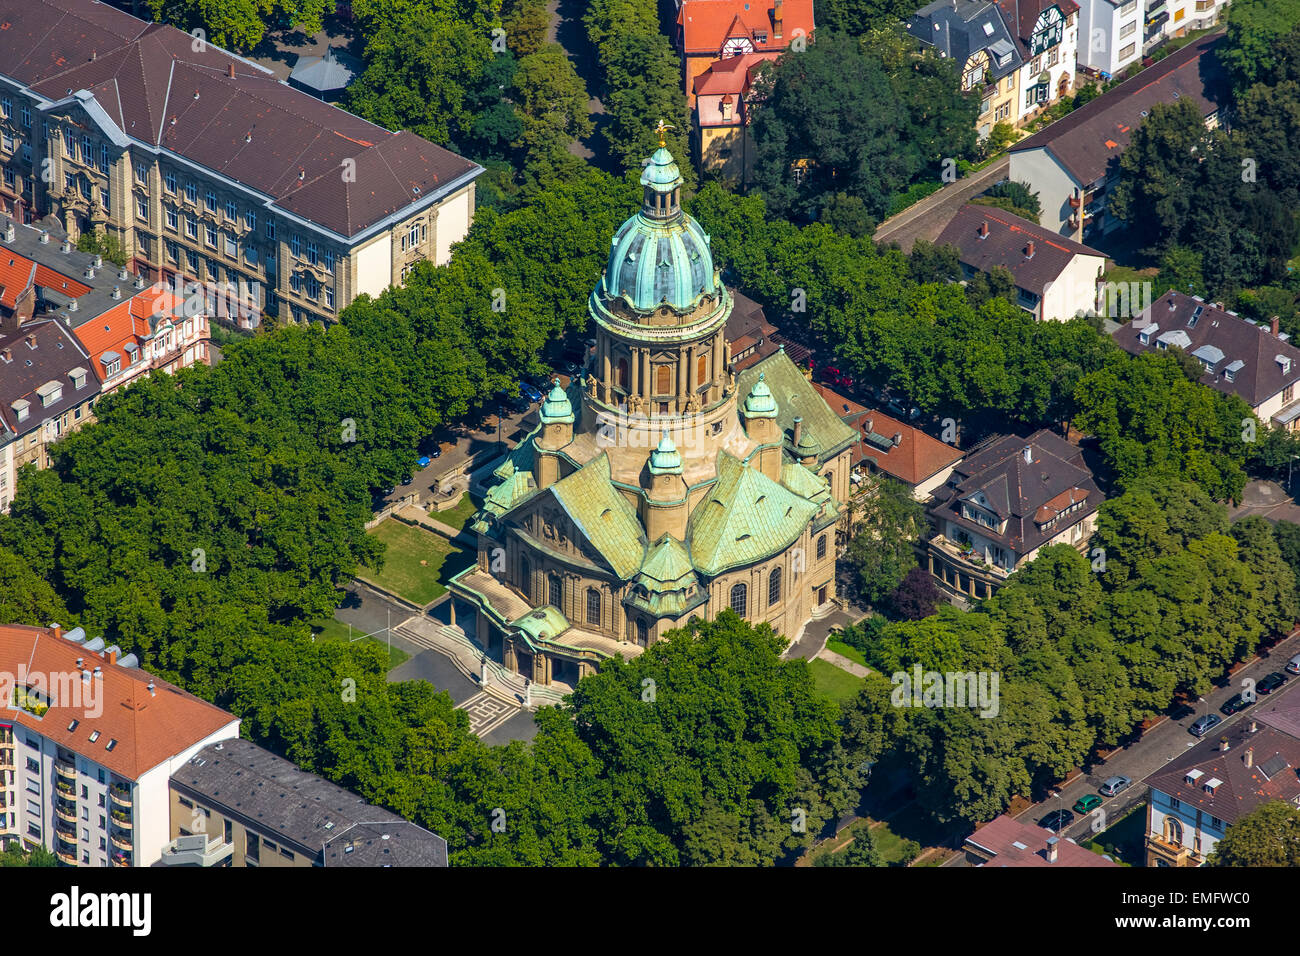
column 1161, row 744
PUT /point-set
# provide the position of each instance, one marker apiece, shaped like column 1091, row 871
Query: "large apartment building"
column 202, row 164
column 236, row 804
column 88, row 743
column 1115, row 34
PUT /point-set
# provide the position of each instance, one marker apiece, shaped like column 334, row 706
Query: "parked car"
column 1057, row 820
column 436, row 453
column 423, row 461
column 1293, row 665
column 1271, row 683
column 1113, row 785
column 1205, row 724
column 407, row 480
column 530, row 393
column 1235, row 705
column 1087, row 803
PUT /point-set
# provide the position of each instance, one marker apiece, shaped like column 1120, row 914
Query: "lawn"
column 333, row 630
column 852, row 653
column 403, row 572
column 456, row 517
column 834, row 683
column 1124, row 841
column 894, row 850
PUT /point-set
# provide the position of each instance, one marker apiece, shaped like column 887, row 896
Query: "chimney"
column 94, row 55
column 7, row 354
column 31, row 340
column 117, row 292
column 81, row 662
column 1029, row 454
column 1272, row 323
column 45, row 236
column 99, row 261
column 798, row 422
column 230, row 70
column 984, row 226
column 151, row 692
column 72, row 306
column 1249, row 756
column 55, row 629
column 122, row 274
column 867, row 428
column 1254, row 726
column 1029, row 249
column 1052, row 848
column 898, row 439
column 1223, row 745
column 99, row 672
column 9, row 231
column 67, row 246
column 139, row 282
column 112, row 655
column 776, row 18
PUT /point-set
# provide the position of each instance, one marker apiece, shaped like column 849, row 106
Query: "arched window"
column 621, row 381
column 821, row 547
column 593, row 606
column 525, row 578
column 1173, row 831
column 702, row 370
column 740, row 599
column 642, row 633
column 663, row 380
column 557, row 591
column 774, row 587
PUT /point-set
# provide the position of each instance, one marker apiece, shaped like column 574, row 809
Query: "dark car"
column 1204, row 725
column 530, row 393
column 1234, row 705
column 1271, row 683
column 1057, row 820
column 436, row 452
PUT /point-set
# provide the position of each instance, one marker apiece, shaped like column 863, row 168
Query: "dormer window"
column 1144, row 335
column 50, row 393
column 21, row 407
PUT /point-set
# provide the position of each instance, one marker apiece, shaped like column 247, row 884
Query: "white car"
column 1293, row 665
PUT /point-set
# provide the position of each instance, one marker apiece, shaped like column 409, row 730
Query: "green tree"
column 860, row 852
column 553, row 101
column 102, row 244
column 882, row 549
column 1269, row 835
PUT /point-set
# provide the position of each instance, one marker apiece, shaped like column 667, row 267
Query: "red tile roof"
column 18, row 273
column 706, row 24
column 148, row 727
column 124, row 323
column 1013, row 843
column 915, row 458
column 731, row 75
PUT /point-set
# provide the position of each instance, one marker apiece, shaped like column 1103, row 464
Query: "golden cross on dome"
column 661, row 129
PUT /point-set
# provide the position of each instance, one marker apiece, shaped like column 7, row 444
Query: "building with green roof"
column 664, row 486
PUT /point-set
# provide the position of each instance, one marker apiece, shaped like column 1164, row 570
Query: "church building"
column 662, row 485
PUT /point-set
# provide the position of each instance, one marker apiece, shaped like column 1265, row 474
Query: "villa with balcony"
column 1007, row 500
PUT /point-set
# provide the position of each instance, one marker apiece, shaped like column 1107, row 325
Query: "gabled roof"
column 1021, row 15
column 745, row 517
column 705, row 25
column 960, row 30
column 667, row 562
column 144, row 729
column 1194, row 325
column 602, row 515
column 39, row 353
column 1012, row 843
column 1085, row 141
column 1274, row 756
column 130, row 322
column 222, row 112
column 1006, row 244
column 915, row 458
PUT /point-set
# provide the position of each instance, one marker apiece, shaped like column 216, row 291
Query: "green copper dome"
column 660, row 255
column 557, row 407
column 665, row 459
column 760, row 403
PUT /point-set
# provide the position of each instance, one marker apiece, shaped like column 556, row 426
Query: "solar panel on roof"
column 1273, row 766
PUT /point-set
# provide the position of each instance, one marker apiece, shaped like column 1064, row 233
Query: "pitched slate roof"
column 1021, row 15
column 41, row 352
column 998, row 478
column 1006, row 244
column 964, row 28
column 744, row 518
column 796, row 397
column 276, row 797
column 135, row 731
column 222, row 112
column 603, row 515
column 1260, row 375
column 1086, row 140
